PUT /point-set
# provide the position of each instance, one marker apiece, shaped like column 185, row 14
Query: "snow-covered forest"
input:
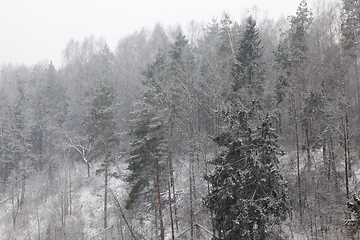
column 224, row 130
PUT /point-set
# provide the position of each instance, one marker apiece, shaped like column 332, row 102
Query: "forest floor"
column 69, row 201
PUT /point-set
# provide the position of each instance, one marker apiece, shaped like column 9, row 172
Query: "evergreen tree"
column 150, row 153
column 350, row 19
column 101, row 121
column 349, row 56
column 177, row 49
column 248, row 70
column 49, row 115
column 354, row 207
column 292, row 61
column 247, row 190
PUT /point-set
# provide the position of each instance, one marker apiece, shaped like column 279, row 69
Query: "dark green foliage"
column 49, row 115
column 247, row 190
column 354, row 207
column 292, row 50
column 176, row 50
column 183, row 89
column 282, row 65
column 350, row 19
column 101, row 122
column 54, row 102
column 299, row 30
column 150, row 147
column 248, row 70
column 313, row 109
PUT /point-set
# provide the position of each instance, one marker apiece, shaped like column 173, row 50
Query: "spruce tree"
column 350, row 36
column 353, row 224
column 248, row 70
column 247, row 190
column 349, row 28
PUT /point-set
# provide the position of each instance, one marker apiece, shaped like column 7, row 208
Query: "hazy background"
column 35, row 30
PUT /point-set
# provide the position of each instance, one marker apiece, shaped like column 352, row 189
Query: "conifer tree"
column 49, row 116
column 247, row 188
column 148, row 159
column 353, row 224
column 101, row 121
column 350, row 34
column 291, row 61
column 248, row 70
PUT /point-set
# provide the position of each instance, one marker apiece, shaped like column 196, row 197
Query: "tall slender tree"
column 350, row 37
column 291, row 59
column 182, row 69
column 248, row 70
column 151, row 154
column 101, row 121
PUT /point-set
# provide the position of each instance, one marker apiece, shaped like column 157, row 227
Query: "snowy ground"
column 43, row 204
column 44, row 197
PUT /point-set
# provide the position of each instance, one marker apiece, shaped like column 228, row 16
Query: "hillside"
column 249, row 131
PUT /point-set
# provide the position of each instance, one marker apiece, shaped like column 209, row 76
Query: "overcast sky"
column 36, row 30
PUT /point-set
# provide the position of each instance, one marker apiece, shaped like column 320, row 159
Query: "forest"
column 224, row 130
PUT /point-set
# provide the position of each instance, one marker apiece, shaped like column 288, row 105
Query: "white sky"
column 36, row 30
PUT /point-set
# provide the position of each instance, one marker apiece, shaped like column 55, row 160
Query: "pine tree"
column 349, row 27
column 350, row 36
column 248, row 70
column 247, row 188
column 101, row 121
column 150, row 154
column 291, row 61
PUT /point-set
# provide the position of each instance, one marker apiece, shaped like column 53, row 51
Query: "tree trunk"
column 307, row 133
column 345, row 126
column 162, row 233
column 106, row 180
column 297, row 156
column 171, row 212
column 346, row 159
column 88, row 168
column 332, row 160
column 348, row 144
column 70, row 194
column 172, row 181
column 191, row 205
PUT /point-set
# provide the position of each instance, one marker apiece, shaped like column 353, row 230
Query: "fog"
column 36, row 30
column 139, row 123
